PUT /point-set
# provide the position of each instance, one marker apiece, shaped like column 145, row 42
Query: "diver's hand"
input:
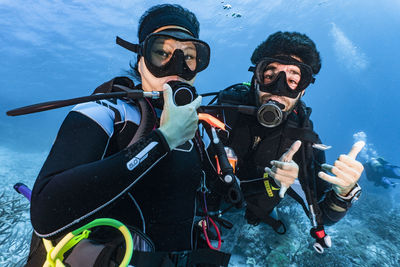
column 178, row 123
column 285, row 171
column 347, row 170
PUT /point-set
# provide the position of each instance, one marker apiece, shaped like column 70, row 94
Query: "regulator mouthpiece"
column 183, row 93
column 270, row 114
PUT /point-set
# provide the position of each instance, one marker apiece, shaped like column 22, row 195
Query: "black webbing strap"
column 180, row 259
column 296, row 197
column 264, row 217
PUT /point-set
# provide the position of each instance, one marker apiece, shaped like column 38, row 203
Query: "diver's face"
column 287, row 101
column 160, row 55
column 152, row 83
column 293, row 76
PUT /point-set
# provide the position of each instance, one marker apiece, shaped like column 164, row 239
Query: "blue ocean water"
column 53, row 50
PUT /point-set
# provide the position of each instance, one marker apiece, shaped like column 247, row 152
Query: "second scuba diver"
column 379, row 171
column 277, row 148
column 103, row 163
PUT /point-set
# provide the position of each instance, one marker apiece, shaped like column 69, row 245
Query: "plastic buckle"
column 322, row 243
column 180, row 259
column 318, row 248
column 203, row 188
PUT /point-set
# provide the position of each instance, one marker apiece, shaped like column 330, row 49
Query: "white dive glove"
column 178, row 123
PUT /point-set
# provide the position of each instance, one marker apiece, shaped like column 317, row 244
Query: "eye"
column 161, row 53
column 269, row 75
column 293, row 84
column 189, row 57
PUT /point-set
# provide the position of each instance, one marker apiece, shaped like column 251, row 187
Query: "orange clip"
column 214, row 122
column 232, row 161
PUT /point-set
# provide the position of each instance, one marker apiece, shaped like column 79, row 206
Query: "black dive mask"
column 270, row 114
column 288, row 83
column 171, row 52
column 182, row 94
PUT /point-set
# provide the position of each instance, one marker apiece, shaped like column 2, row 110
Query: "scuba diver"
column 141, row 162
column 379, row 171
column 276, row 146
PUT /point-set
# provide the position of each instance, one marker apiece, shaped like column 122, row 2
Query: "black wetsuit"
column 91, row 173
column 255, row 147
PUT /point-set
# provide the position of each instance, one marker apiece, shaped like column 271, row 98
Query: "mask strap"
column 127, row 45
column 172, row 28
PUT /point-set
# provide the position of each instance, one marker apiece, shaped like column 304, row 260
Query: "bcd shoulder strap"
column 237, row 94
column 147, row 120
column 107, row 87
column 302, row 130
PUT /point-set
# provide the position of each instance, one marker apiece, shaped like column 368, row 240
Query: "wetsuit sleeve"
column 333, row 208
column 78, row 184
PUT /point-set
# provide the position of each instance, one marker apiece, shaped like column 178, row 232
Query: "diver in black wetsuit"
column 379, row 171
column 99, row 167
column 270, row 160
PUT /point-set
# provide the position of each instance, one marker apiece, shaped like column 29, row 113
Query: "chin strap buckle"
column 322, row 239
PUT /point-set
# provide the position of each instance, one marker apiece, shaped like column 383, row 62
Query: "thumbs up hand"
column 347, row 170
column 285, row 171
column 178, row 123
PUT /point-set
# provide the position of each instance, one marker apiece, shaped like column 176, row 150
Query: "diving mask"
column 290, row 82
column 171, row 52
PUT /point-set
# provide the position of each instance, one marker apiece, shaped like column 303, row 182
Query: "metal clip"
column 321, row 147
column 152, row 94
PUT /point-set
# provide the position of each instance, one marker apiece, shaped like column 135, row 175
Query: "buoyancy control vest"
column 256, row 145
column 163, row 185
column 108, row 248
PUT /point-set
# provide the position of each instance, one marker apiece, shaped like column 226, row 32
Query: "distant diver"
column 379, row 171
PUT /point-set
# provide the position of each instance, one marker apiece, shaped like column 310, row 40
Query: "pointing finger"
column 356, row 149
column 288, row 155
